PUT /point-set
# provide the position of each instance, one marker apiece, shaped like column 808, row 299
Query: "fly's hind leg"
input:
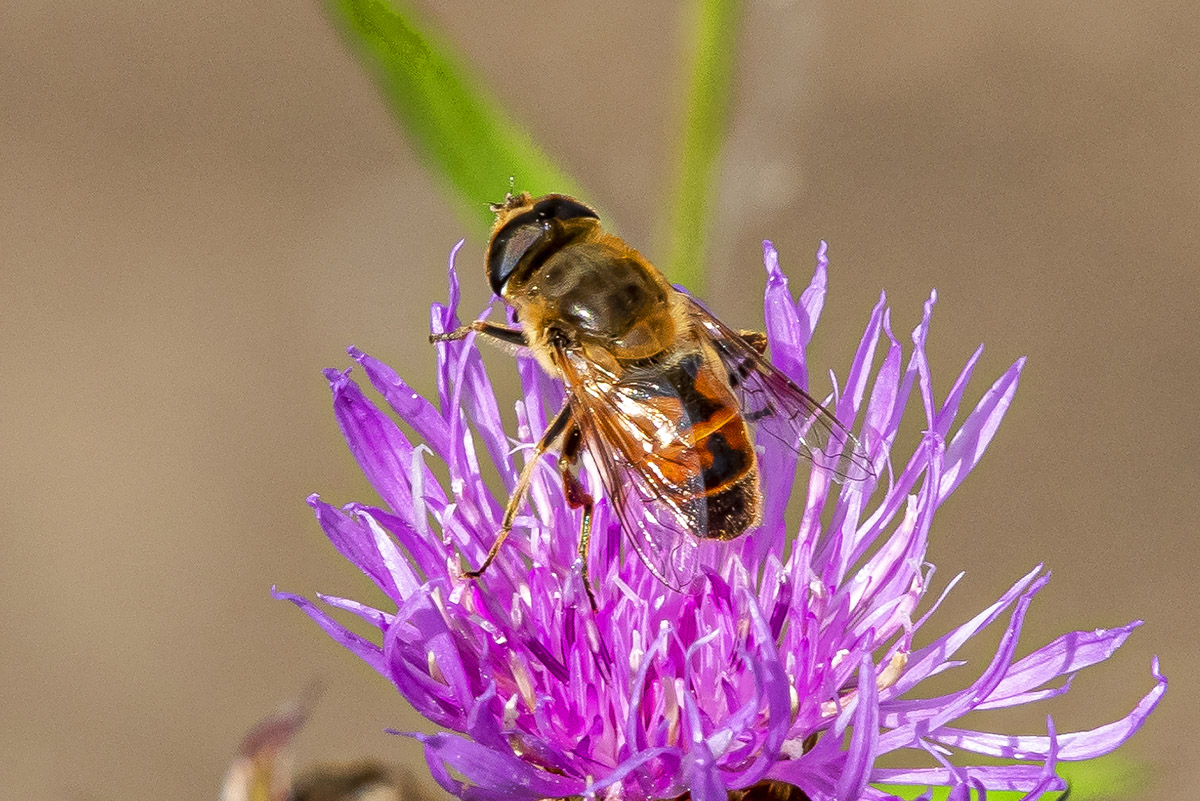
column 549, row 439
column 578, row 498
column 758, row 341
column 755, row 339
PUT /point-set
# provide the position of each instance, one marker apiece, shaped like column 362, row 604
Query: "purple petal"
column 491, row 774
column 876, row 437
column 1073, row 746
column 430, row 554
column 416, row 668
column 370, row 614
column 400, row 573
column 921, row 360
column 949, row 410
column 632, row 765
column 1067, row 654
column 923, row 662
column 354, row 541
column 909, row 719
column 860, row 366
column 1049, row 776
column 364, row 649
column 701, row 774
column 378, row 444
column 412, row 407
column 445, row 318
column 968, row 445
column 812, row 299
column 787, row 331
column 1016, row 778
column 916, row 372
column 473, row 386
column 864, row 742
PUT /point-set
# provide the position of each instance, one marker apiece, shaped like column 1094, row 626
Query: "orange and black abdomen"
column 714, row 435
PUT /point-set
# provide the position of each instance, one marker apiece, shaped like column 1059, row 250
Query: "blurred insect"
column 261, row 769
column 659, row 391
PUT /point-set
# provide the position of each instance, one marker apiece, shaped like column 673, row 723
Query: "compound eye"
column 560, row 207
column 507, row 249
column 523, row 233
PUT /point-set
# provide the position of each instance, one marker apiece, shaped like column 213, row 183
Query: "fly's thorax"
column 601, row 293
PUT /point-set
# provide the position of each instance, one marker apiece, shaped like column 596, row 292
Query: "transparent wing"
column 634, row 430
column 778, row 408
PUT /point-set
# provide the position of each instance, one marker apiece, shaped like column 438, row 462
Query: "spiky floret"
column 799, row 658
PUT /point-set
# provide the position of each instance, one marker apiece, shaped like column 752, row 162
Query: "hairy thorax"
column 601, row 298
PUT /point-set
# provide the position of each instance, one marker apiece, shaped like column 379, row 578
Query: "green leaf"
column 1109, row 777
column 712, row 46
column 1112, row 776
column 458, row 128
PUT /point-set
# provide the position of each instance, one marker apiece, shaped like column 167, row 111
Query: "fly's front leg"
column 509, row 336
column 578, row 498
column 553, row 433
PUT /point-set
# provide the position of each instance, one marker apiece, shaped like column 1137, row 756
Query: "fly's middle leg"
column 578, row 498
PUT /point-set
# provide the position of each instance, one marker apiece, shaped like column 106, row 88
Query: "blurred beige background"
column 202, row 204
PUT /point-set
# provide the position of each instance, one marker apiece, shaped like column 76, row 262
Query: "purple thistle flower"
column 794, row 637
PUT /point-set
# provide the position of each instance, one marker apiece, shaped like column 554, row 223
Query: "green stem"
column 459, row 130
column 711, row 48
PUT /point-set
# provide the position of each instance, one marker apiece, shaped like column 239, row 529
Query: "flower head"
column 797, row 656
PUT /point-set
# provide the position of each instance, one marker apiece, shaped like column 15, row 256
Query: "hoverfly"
column 660, row 392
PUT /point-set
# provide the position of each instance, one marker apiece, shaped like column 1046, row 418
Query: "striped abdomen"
column 709, row 436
